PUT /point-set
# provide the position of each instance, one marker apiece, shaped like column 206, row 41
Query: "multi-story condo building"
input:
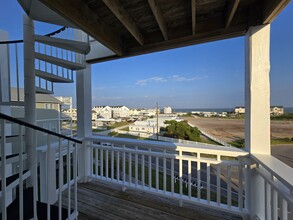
column 66, row 177
column 167, row 110
column 120, row 111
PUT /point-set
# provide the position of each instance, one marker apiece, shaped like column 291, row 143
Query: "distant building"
column 239, row 110
column 167, row 110
column 134, row 112
column 145, row 127
column 148, row 112
column 277, row 110
column 112, row 111
column 274, row 110
column 120, row 111
column 71, row 112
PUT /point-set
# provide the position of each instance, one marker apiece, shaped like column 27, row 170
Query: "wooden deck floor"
column 100, row 200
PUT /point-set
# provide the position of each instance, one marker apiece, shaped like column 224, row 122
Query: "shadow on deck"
column 100, row 200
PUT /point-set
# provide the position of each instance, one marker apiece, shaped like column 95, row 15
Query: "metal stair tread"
column 52, row 77
column 12, row 158
column 43, row 91
column 72, row 45
column 11, row 179
column 59, row 62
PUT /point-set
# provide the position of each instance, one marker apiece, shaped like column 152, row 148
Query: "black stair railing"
column 55, row 177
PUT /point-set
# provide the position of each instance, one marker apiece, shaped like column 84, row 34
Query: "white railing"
column 57, row 156
column 278, row 187
column 216, row 139
column 12, row 71
column 212, row 176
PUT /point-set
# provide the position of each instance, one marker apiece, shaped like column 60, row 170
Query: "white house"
column 144, row 127
column 239, row 110
column 277, row 110
column 167, row 110
column 120, row 111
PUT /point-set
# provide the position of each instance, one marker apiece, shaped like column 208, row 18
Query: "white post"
column 30, row 101
column 4, row 97
column 84, row 117
column 257, row 90
column 257, row 109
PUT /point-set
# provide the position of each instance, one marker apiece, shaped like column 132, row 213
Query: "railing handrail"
column 225, row 151
column 280, row 170
column 9, row 118
column 21, row 41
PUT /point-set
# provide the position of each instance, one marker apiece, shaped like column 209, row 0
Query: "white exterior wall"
column 143, row 128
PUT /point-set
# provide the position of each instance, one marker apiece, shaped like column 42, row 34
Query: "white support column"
column 257, row 90
column 257, row 109
column 29, row 95
column 84, row 117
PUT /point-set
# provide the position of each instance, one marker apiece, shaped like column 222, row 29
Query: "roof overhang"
column 132, row 27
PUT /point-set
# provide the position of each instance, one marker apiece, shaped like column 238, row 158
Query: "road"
column 284, row 153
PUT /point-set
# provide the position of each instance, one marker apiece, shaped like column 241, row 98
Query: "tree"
column 182, row 130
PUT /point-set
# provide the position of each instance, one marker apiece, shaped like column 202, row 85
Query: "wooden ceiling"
column 133, row 27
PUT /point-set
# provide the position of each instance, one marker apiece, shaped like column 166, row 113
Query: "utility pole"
column 157, row 121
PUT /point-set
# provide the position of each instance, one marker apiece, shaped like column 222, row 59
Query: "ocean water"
column 219, row 110
column 203, row 109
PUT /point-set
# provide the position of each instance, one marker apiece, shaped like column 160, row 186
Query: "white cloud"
column 155, row 79
column 174, row 78
column 178, row 78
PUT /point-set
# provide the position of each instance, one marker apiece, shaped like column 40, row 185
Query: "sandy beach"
column 233, row 129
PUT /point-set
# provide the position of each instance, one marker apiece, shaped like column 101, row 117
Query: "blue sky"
column 202, row 76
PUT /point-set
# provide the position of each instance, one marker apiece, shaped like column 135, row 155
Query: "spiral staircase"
column 57, row 57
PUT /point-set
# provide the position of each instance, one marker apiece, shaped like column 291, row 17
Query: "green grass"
column 125, row 129
column 238, row 143
column 97, row 130
column 285, row 117
column 118, row 124
column 276, row 141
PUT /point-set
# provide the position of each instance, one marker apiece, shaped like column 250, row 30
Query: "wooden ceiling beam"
column 79, row 14
column 123, row 16
column 193, row 15
column 231, row 9
column 198, row 38
column 272, row 8
column 159, row 17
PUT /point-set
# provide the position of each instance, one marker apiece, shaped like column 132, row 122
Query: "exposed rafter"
column 123, row 16
column 272, row 8
column 193, row 13
column 159, row 17
column 231, row 9
column 81, row 15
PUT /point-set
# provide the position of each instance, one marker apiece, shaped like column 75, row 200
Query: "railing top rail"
column 21, row 41
column 200, row 148
column 55, row 32
column 11, row 42
column 9, row 118
column 281, row 171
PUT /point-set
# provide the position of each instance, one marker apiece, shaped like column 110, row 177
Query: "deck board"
column 100, row 200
